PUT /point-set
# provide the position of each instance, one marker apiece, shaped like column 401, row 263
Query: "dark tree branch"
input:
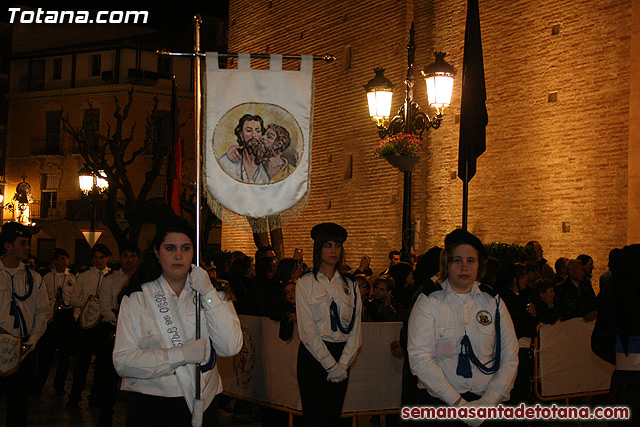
column 112, row 154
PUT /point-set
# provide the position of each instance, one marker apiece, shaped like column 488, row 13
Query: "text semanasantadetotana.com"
column 41, row 16
column 521, row 412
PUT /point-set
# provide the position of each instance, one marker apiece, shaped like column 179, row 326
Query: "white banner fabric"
column 567, row 364
column 265, row 368
column 257, row 147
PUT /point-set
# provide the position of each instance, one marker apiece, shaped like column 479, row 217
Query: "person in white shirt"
column 156, row 350
column 85, row 294
column 24, row 311
column 328, row 308
column 461, row 342
column 113, row 283
column 59, row 283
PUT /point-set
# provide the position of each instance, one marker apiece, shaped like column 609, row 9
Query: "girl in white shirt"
column 156, row 351
column 461, row 342
column 328, row 307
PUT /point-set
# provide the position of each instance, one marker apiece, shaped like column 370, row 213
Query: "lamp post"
column 93, row 186
column 410, row 119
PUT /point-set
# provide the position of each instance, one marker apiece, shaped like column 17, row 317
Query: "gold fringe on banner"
column 255, row 225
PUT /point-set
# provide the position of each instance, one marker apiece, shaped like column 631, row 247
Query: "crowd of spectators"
column 532, row 290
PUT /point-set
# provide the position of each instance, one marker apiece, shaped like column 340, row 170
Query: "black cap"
column 329, row 231
column 103, row 249
column 459, row 237
column 12, row 230
column 59, row 251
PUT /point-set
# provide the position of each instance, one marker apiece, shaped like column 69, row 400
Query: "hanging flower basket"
column 401, row 150
column 403, row 163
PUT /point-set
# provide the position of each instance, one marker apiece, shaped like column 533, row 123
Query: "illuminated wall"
column 559, row 149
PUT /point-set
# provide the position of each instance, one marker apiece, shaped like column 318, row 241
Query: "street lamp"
column 410, row 119
column 93, row 186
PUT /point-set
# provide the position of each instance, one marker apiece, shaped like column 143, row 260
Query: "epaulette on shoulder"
column 349, row 276
column 488, row 289
column 430, row 287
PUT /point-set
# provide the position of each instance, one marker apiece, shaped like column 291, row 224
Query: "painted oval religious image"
column 258, row 143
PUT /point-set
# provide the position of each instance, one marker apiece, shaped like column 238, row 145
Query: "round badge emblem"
column 484, row 317
column 346, row 290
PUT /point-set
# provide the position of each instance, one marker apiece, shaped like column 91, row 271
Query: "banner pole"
column 326, row 57
column 197, row 20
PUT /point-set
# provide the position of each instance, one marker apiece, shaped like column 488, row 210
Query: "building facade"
column 53, row 77
column 563, row 149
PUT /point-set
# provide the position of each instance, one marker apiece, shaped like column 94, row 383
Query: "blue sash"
column 335, row 315
column 19, row 321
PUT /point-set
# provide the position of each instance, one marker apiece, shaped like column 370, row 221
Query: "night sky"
column 174, row 15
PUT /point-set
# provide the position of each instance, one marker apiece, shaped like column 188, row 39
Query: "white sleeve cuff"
column 328, row 362
column 211, row 300
column 451, row 398
column 344, row 360
column 491, row 398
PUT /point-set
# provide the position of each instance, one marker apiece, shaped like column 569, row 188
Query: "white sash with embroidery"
column 172, row 332
column 10, row 353
column 90, row 314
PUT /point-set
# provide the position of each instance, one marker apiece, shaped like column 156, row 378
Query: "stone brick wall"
column 546, row 162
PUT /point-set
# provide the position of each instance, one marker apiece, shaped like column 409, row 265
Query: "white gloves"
column 337, row 373
column 195, row 351
column 199, row 280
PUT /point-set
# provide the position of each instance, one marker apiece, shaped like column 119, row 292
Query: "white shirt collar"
column 21, row 266
column 448, row 289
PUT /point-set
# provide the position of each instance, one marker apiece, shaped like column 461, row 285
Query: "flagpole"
column 197, row 20
column 465, row 189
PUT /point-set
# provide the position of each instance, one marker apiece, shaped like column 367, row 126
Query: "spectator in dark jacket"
column 288, row 269
column 574, row 297
column 241, row 274
column 404, row 283
column 544, row 302
column 289, row 317
column 382, row 307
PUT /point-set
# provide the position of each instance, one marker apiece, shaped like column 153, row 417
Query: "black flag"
column 473, row 111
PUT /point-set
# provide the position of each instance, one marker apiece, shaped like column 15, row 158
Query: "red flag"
column 473, row 111
column 174, row 157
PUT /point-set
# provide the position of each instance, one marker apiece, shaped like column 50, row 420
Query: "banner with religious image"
column 257, row 136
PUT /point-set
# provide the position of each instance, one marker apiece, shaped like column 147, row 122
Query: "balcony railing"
column 36, row 211
column 80, row 210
